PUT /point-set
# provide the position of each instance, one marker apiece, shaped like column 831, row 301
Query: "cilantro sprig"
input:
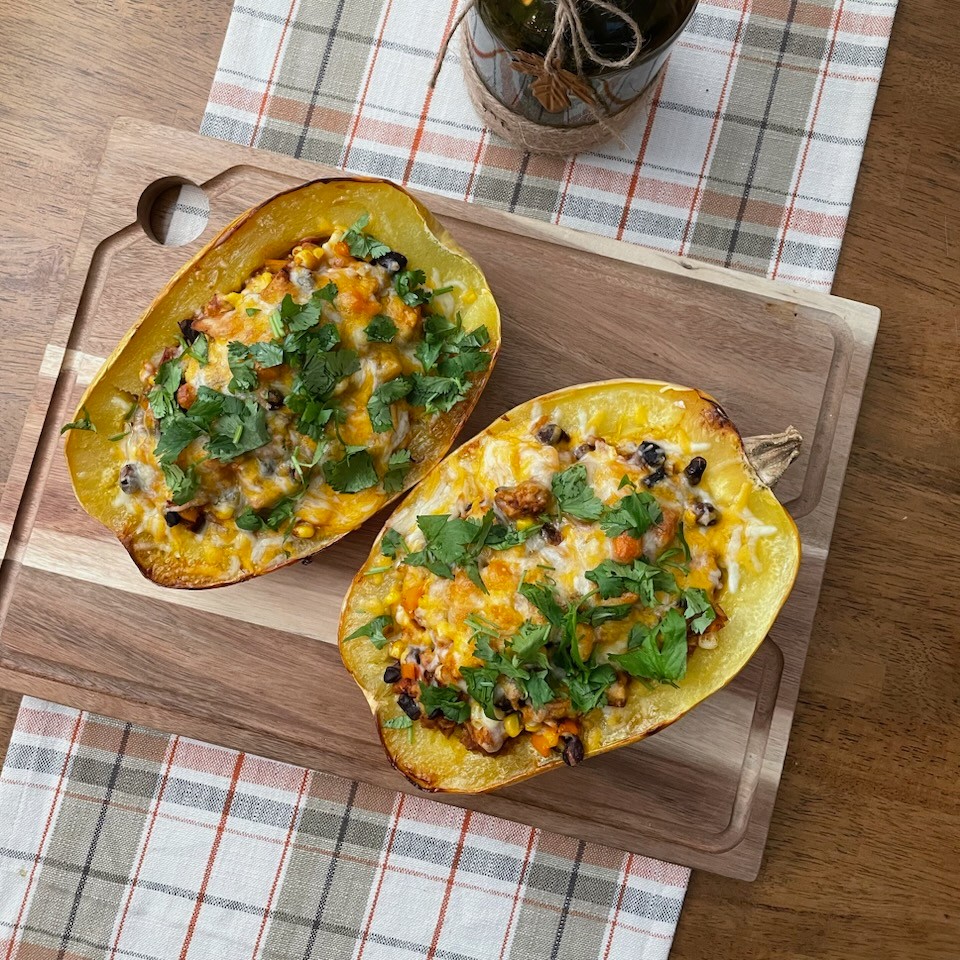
column 362, row 245
column 374, row 630
column 83, row 422
column 634, row 513
column 659, row 653
column 435, row 701
column 379, row 406
column 613, row 579
column 574, row 495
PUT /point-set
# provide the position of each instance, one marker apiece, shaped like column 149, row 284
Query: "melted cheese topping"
column 289, row 468
column 435, row 640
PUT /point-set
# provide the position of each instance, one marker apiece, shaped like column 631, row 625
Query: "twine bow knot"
column 552, row 83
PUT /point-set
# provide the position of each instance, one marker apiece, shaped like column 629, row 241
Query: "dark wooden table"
column 864, row 852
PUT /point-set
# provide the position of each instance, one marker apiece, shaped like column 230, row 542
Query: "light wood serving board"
column 255, row 666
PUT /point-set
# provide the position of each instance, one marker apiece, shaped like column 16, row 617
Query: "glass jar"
column 500, row 29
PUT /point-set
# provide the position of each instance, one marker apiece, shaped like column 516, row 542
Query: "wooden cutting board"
column 255, row 666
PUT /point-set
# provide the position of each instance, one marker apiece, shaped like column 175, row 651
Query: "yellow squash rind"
column 265, row 232
column 616, row 410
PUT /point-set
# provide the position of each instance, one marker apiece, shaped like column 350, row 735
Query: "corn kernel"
column 260, row 282
column 392, row 597
column 511, row 725
column 531, row 726
column 304, row 530
column 524, row 523
column 222, row 511
column 233, row 299
column 469, row 297
column 396, row 649
column 307, row 257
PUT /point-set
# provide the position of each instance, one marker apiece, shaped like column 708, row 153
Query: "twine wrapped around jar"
column 553, row 84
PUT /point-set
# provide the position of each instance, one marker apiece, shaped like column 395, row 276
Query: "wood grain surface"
column 255, row 666
column 863, row 857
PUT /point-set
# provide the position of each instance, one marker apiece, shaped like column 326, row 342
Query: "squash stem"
column 771, row 453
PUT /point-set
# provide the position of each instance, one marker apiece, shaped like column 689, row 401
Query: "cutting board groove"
column 255, row 666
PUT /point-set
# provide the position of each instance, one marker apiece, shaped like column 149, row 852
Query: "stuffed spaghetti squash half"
column 574, row 578
column 315, row 360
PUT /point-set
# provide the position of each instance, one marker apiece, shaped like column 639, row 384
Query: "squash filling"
column 319, row 378
column 552, row 573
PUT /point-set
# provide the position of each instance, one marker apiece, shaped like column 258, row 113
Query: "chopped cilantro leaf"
column 445, row 701
column 252, row 311
column 239, row 432
column 398, row 466
column 392, row 544
column 614, row 579
column 634, row 514
column 401, row 722
column 355, row 472
column 543, row 598
column 176, row 433
column 503, row 537
column 304, row 316
column 244, row 377
column 275, row 321
column 698, row 609
column 210, row 404
column 379, row 404
column 183, row 484
column 199, row 350
column 324, row 370
column 603, row 613
column 398, row 723
column 481, row 685
column 538, row 690
column 267, row 354
column 374, row 629
column 162, row 397
column 574, row 494
column 362, row 245
column 380, row 329
column 437, row 394
column 83, row 422
column 589, row 688
column 248, row 520
column 451, row 541
column 529, row 639
column 409, row 287
column 664, row 662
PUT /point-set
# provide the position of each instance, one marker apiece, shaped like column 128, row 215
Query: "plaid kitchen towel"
column 745, row 154
column 124, row 843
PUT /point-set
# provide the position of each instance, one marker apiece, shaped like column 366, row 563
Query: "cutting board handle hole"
column 173, row 211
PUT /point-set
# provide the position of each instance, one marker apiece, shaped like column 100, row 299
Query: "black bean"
column 187, row 331
column 582, row 449
column 654, row 478
column 705, row 512
column 392, row 262
column 409, row 706
column 274, row 399
column 652, row 453
column 694, row 470
column 503, row 704
column 392, row 673
column 552, row 433
column 129, row 481
column 572, row 751
column 171, row 517
column 551, row 534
